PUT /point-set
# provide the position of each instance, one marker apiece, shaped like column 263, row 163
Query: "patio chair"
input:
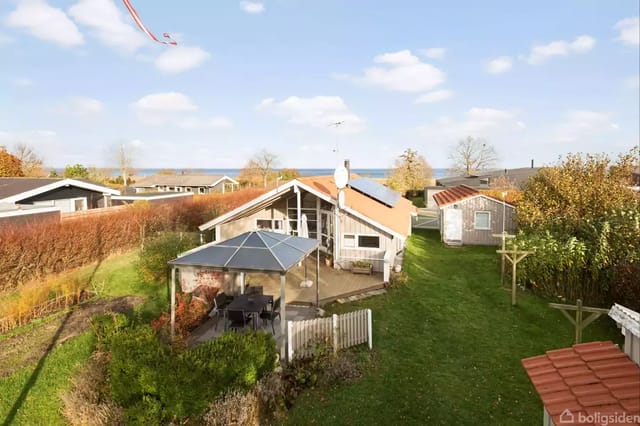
column 253, row 290
column 272, row 314
column 237, row 320
column 220, row 303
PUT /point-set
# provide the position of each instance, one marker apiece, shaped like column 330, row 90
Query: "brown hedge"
column 34, row 251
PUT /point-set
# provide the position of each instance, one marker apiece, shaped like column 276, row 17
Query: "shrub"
column 88, row 402
column 107, row 325
column 398, row 278
column 36, row 250
column 235, row 408
column 155, row 384
column 153, row 258
column 190, row 313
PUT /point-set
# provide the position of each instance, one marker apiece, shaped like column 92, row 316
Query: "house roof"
column 251, row 251
column 518, row 177
column 182, row 180
column 15, row 189
column 460, row 193
column 593, row 379
column 394, row 220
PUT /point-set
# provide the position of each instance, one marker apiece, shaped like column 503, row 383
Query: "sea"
column 370, row 173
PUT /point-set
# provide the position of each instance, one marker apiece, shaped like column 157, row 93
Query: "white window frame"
column 281, row 230
column 188, row 189
column 178, row 189
column 356, row 240
column 201, row 190
column 475, row 221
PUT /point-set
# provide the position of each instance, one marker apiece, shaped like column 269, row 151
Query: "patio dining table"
column 250, row 303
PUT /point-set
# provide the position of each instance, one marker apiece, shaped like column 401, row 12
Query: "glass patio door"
column 326, row 231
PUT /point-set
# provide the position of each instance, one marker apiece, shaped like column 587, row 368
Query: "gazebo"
column 254, row 251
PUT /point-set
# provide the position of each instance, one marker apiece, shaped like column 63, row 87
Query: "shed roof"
column 460, row 193
column 200, row 179
column 263, row 251
column 593, row 379
column 626, row 318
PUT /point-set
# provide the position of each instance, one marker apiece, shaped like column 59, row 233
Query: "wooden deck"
column 333, row 283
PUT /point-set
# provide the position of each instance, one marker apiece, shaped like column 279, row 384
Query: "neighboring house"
column 196, row 183
column 517, row 177
column 468, row 217
column 11, row 214
column 67, row 195
column 372, row 224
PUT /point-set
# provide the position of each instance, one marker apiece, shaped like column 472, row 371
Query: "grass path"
column 448, row 347
column 31, row 395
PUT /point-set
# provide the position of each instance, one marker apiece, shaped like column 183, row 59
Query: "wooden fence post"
column 334, row 333
column 578, row 321
column 290, row 341
column 370, row 329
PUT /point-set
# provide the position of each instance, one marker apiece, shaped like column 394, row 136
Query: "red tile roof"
column 595, row 381
column 455, row 195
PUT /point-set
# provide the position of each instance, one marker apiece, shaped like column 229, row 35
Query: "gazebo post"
column 318, row 277
column 173, row 301
column 242, row 283
column 283, row 318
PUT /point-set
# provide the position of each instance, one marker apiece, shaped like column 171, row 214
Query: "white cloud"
column 161, row 108
column 83, row 106
column 108, row 23
column 499, row 65
column 583, row 124
column 22, row 82
column 179, row 59
column 435, row 96
column 540, row 53
column 252, row 7
column 434, row 52
column 318, row 112
column 193, row 123
column 477, row 122
column 629, row 29
column 45, row 22
column 403, row 72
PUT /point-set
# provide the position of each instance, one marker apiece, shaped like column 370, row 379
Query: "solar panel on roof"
column 375, row 190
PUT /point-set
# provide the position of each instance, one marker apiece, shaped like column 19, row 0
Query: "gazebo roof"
column 262, row 251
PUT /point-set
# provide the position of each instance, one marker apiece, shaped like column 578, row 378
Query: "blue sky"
column 535, row 79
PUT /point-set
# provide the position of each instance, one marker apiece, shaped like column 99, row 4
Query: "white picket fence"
column 339, row 331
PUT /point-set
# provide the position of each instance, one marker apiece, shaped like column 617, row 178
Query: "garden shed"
column 254, row 251
column 469, row 217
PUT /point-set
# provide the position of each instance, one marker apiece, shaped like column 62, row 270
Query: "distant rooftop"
column 200, row 179
column 517, row 177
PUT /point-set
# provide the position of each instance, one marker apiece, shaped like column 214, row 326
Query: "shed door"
column 453, row 225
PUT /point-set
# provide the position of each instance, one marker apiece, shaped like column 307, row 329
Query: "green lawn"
column 31, row 395
column 447, row 347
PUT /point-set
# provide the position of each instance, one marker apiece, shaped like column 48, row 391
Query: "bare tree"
column 124, row 160
column 262, row 164
column 31, row 162
column 472, row 155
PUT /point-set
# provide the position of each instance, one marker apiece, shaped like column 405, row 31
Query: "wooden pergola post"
column 579, row 323
column 514, row 256
column 318, row 277
column 504, row 237
column 283, row 316
column 173, row 302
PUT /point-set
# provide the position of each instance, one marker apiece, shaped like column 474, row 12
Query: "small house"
column 66, row 195
column 368, row 222
column 468, row 217
column 195, row 183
